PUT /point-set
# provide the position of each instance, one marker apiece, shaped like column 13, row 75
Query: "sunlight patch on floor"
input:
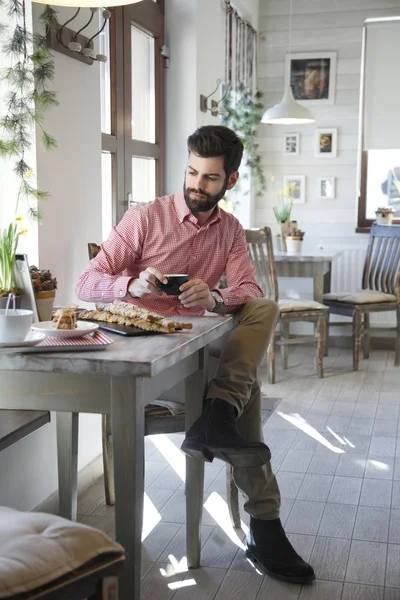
column 302, row 424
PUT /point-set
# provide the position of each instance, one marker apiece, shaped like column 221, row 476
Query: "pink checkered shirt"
column 165, row 234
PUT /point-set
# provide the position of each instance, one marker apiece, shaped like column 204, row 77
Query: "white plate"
column 46, row 327
column 31, row 339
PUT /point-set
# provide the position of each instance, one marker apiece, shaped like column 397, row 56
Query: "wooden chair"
column 259, row 242
column 158, row 420
column 45, row 557
column 380, row 290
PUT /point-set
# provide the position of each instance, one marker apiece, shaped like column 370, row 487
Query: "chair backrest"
column 93, row 250
column 382, row 263
column 259, row 244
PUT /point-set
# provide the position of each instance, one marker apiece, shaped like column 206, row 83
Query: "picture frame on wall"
column 326, row 143
column 326, row 188
column 292, row 144
column 312, row 77
column 297, row 187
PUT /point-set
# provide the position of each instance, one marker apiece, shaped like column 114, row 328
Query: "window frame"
column 364, row 224
column 149, row 16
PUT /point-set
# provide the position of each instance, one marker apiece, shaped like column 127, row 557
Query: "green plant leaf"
column 27, row 98
column 48, row 141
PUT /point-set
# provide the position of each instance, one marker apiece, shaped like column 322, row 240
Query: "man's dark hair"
column 216, row 140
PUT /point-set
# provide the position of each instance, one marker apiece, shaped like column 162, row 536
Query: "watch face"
column 218, row 299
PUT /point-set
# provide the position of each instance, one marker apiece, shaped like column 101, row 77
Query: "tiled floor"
column 336, row 451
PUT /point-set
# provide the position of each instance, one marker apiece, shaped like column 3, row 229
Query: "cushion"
column 361, row 297
column 38, row 548
column 290, row 305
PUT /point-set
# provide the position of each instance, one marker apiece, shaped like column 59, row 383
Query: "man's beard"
column 206, row 203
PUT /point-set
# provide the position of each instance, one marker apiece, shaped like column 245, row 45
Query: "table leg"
column 327, row 290
column 127, row 418
column 318, row 281
column 67, row 454
column 195, row 390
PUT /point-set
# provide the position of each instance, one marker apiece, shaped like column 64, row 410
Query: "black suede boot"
column 270, row 550
column 215, row 434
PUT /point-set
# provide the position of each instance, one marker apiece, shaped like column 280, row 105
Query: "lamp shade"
column 287, row 112
column 87, row 3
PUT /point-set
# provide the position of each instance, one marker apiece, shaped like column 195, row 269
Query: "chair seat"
column 289, row 305
column 37, row 549
column 360, row 297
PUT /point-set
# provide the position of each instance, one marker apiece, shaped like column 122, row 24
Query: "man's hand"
column 145, row 284
column 196, row 294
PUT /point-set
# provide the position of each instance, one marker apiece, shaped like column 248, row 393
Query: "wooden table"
column 121, row 380
column 314, row 263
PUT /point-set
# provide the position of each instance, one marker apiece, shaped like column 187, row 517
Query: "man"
column 188, row 233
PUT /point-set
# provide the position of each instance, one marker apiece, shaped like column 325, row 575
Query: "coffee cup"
column 15, row 325
column 171, row 288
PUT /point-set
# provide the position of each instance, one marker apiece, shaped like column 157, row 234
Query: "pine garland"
column 28, row 97
column 242, row 112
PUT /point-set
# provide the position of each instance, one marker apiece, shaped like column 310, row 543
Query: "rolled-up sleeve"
column 102, row 281
column 240, row 276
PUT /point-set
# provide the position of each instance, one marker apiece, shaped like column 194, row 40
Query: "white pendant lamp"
column 88, row 3
column 288, row 111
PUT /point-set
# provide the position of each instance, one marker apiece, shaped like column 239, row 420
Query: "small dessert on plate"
column 64, row 318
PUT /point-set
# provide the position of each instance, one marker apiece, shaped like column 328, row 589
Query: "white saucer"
column 46, row 327
column 31, row 339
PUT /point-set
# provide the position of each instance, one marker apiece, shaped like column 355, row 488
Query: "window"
column 380, row 153
column 132, row 106
column 144, row 107
column 106, row 193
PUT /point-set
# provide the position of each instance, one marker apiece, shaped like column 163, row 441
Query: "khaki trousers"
column 240, row 354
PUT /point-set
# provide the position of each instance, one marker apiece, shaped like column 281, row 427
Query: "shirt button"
column 102, row 294
column 194, row 257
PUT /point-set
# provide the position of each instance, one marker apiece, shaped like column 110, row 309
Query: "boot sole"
column 261, row 567
column 232, row 456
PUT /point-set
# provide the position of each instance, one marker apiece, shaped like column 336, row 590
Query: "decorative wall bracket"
column 214, row 105
column 72, row 43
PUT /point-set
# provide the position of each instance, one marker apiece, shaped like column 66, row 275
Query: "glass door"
column 143, row 38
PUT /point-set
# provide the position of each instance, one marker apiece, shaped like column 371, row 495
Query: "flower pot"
column 44, row 304
column 285, row 227
column 3, row 302
column 293, row 245
column 385, row 219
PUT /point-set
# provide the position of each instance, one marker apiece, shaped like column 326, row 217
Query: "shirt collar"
column 184, row 212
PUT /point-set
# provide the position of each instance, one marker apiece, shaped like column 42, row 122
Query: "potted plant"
column 241, row 110
column 294, row 240
column 384, row 215
column 8, row 247
column 31, row 68
column 44, row 287
column 282, row 214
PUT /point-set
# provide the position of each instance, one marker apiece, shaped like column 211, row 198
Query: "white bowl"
column 14, row 326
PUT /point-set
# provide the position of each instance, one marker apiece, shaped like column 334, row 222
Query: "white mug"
column 15, row 326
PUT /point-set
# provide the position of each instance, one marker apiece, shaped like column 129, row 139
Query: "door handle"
column 128, row 203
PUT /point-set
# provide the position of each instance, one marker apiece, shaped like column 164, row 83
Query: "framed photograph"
column 312, row 76
column 297, row 186
column 326, row 143
column 326, row 188
column 292, row 143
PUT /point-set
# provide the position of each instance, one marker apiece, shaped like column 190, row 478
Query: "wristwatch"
column 219, row 301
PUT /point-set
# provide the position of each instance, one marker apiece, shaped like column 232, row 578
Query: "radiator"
column 347, row 271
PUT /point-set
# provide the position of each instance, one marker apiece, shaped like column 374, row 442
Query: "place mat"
column 94, row 341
